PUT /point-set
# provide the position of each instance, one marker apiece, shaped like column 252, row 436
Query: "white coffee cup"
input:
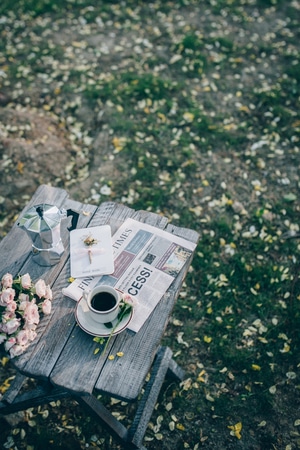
column 103, row 303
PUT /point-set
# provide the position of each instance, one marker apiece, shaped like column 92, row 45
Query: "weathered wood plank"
column 175, row 371
column 98, row 410
column 62, row 348
column 53, row 330
column 14, row 389
column 148, row 401
column 89, row 365
column 41, row 395
column 16, row 246
column 186, row 233
column 124, row 377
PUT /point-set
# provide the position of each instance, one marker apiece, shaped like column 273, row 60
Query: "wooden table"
column 62, row 358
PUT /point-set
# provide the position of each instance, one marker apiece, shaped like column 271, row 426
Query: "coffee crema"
column 103, row 301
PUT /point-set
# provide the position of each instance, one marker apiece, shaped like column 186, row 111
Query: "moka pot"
column 42, row 223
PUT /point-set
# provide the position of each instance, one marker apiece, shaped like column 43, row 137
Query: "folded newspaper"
column 146, row 262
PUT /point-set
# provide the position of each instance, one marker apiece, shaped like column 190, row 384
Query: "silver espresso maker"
column 42, row 223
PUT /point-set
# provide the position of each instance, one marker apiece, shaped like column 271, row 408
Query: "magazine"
column 146, row 262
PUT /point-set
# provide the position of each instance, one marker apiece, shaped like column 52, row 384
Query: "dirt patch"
column 33, row 151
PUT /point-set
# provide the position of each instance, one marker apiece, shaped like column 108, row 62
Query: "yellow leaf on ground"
column 201, row 376
column 236, row 430
column 20, row 167
column 188, row 117
column 4, row 360
column 6, row 385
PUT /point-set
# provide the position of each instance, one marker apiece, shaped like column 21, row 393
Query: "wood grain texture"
column 16, row 245
column 63, row 353
column 85, row 365
column 148, row 401
column 14, row 388
column 124, row 377
column 41, row 395
column 55, row 329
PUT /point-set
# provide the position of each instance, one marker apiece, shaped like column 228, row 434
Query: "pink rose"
column 26, row 281
column 17, row 350
column 46, row 306
column 40, row 288
column 31, row 314
column 32, row 334
column 30, row 326
column 48, row 294
column 23, row 301
column 129, row 300
column 22, row 337
column 11, row 307
column 11, row 326
column 7, row 280
column 7, row 296
column 9, row 343
column 8, row 315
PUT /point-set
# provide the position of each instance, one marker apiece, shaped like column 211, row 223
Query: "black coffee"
column 103, row 301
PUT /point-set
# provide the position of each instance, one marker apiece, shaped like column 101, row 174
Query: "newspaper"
column 146, row 262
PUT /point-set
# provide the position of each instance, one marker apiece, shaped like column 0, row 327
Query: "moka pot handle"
column 75, row 217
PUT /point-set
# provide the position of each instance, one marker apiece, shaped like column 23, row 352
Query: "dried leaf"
column 236, row 430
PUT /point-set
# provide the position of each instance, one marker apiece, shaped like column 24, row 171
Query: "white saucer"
column 87, row 324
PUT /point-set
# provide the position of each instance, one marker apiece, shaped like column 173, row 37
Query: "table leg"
column 163, row 365
column 14, row 401
column 132, row 438
column 96, row 408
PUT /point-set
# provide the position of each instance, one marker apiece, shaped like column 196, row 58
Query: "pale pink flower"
column 32, row 334
column 17, row 350
column 11, row 307
column 17, row 333
column 23, row 301
column 31, row 314
column 22, row 337
column 26, row 281
column 48, row 293
column 7, row 280
column 11, row 326
column 46, row 306
column 8, row 315
column 40, row 288
column 30, row 326
column 10, row 343
column 129, row 300
column 7, row 296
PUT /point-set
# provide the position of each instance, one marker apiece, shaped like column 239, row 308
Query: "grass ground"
column 189, row 109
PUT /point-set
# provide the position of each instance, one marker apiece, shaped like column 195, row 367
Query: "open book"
column 146, row 262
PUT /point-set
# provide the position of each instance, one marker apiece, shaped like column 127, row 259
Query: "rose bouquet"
column 21, row 302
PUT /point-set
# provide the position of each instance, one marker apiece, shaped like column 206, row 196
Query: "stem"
column 124, row 311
